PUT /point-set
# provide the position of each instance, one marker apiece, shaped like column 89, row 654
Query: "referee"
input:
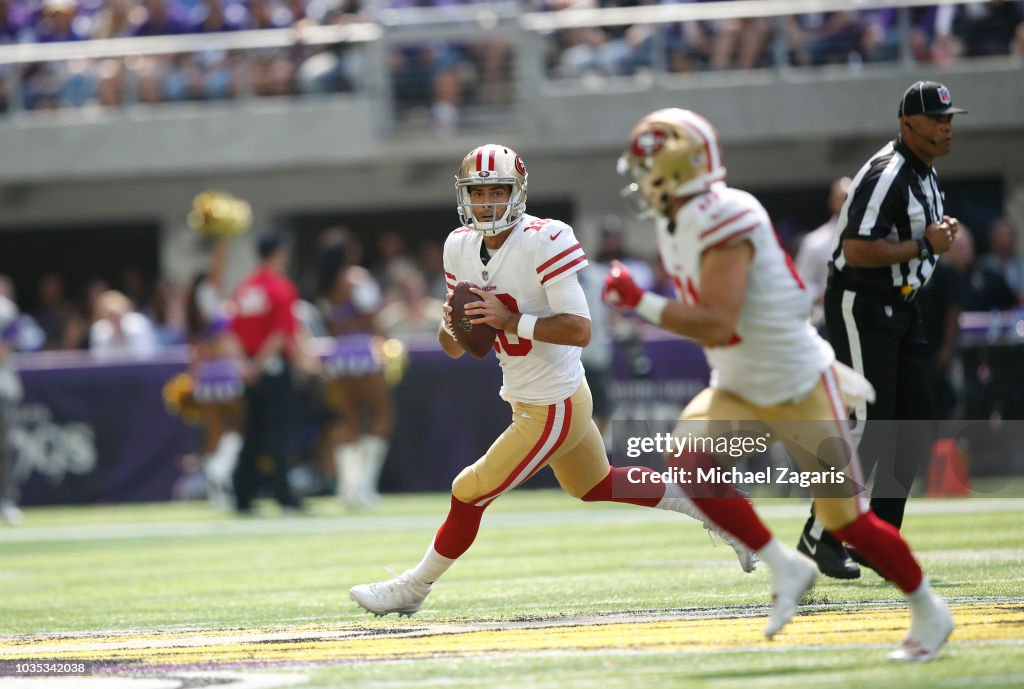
column 888, row 236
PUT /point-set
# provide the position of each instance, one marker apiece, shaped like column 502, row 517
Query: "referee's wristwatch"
column 924, row 249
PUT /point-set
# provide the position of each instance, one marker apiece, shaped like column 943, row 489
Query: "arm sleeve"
column 449, row 269
column 558, row 253
column 567, row 296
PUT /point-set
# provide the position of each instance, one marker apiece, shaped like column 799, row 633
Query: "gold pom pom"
column 178, row 398
column 393, row 358
column 219, row 214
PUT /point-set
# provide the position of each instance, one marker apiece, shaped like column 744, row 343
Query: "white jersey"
column 775, row 355
column 537, row 254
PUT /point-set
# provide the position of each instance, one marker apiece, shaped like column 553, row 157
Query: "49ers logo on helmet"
column 520, row 165
column 944, row 95
column 648, row 143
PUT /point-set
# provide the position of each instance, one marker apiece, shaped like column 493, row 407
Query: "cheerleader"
column 217, row 358
column 348, row 299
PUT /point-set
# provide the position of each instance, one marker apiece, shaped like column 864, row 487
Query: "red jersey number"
column 522, row 346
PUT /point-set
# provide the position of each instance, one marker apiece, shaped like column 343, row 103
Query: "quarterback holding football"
column 513, row 287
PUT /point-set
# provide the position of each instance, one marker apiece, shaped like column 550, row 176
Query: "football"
column 475, row 339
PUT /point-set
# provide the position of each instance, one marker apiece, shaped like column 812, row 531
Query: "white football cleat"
column 404, row 594
column 746, row 556
column 930, row 625
column 789, row 584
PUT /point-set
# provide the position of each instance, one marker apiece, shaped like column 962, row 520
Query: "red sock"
column 882, row 544
column 616, row 487
column 720, row 502
column 459, row 529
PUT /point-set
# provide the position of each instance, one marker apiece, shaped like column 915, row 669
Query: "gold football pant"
column 814, row 430
column 562, row 435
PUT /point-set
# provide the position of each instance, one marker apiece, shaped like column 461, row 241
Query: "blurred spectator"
column 332, row 69
column 613, row 248
column 10, row 396
column 23, row 334
column 591, row 52
column 110, row 83
column 739, row 43
column 167, row 312
column 597, row 355
column 815, row 254
column 118, row 19
column 163, row 18
column 823, row 38
column 431, row 75
column 412, row 311
column 120, row 330
column 995, row 27
column 55, row 313
column 432, row 263
column 133, row 286
column 940, row 304
column 980, row 288
column 392, row 263
column 61, row 21
column 1004, row 259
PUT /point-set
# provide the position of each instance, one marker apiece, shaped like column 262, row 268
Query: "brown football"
column 476, row 339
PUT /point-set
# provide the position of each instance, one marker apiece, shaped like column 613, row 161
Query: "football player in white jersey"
column 740, row 297
column 526, row 268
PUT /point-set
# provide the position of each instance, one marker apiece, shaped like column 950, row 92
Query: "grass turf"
column 540, row 553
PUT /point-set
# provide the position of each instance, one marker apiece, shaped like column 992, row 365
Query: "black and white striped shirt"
column 894, row 197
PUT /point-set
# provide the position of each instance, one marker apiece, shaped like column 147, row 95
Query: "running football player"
column 739, row 296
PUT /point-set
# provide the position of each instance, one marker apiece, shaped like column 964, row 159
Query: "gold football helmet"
column 492, row 164
column 671, row 153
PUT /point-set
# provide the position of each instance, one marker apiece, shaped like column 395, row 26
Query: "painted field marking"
column 387, row 640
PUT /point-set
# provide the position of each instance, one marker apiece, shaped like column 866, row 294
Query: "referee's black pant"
column 269, row 405
column 880, row 335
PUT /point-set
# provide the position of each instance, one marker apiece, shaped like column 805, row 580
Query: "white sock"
column 432, row 566
column 348, row 468
column 774, row 554
column 922, row 595
column 374, row 450
column 220, row 464
column 675, row 500
column 817, row 528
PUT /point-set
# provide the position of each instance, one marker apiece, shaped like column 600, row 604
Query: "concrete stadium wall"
column 331, row 155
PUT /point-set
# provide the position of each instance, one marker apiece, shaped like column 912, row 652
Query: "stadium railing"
column 487, row 61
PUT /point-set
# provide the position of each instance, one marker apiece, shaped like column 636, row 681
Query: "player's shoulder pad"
column 459, row 233
column 723, row 217
column 557, row 253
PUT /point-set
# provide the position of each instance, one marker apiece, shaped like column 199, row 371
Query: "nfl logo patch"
column 485, row 275
column 944, row 95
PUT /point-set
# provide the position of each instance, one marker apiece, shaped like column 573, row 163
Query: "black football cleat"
column 828, row 553
column 859, row 558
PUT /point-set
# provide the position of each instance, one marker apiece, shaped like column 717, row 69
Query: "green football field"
column 555, row 593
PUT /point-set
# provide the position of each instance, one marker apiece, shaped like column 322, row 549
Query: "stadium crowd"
column 440, row 77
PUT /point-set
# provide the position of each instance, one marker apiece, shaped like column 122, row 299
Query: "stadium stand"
column 115, row 114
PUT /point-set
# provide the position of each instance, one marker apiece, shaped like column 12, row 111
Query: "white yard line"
column 769, row 508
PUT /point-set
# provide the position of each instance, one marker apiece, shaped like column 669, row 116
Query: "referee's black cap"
column 927, row 98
